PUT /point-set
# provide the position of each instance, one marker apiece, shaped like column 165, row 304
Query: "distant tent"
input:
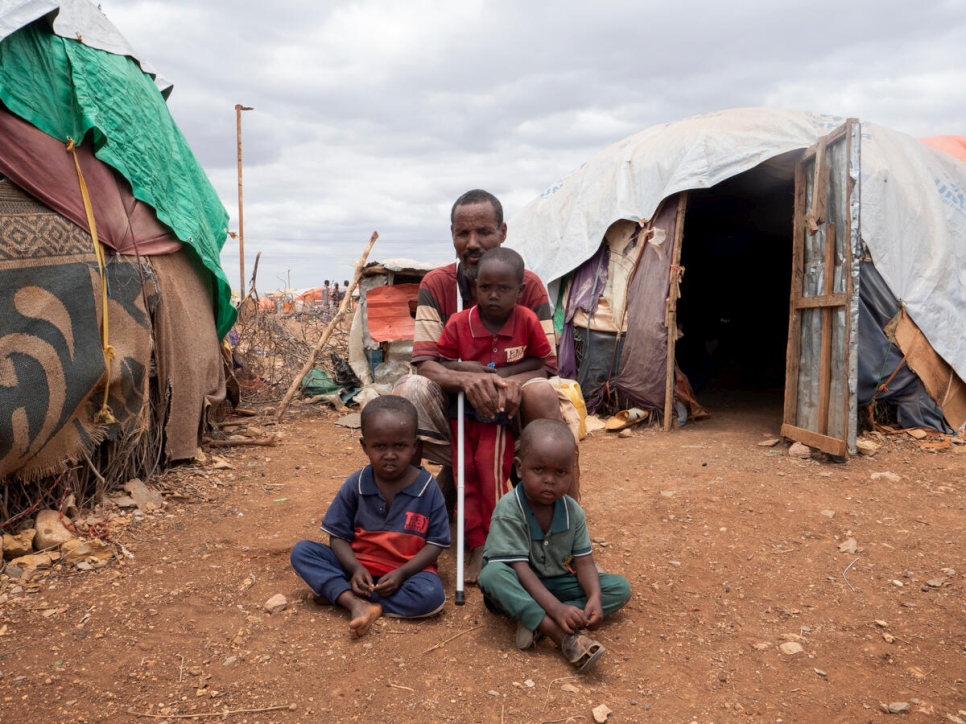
column 955, row 146
column 113, row 342
column 381, row 335
column 710, row 226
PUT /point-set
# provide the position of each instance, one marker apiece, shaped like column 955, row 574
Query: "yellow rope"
column 104, row 415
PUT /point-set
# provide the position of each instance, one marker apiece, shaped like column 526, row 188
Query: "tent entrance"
column 736, row 252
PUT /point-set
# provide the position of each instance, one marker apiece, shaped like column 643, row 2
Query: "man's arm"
column 489, row 393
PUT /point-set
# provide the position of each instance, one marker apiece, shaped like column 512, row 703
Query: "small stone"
column 866, row 447
column 761, row 646
column 601, row 713
column 791, row 648
column 571, row 688
column 18, row 545
column 33, row 561
column 668, row 493
column 145, row 497
column 849, row 546
column 625, row 433
column 828, row 513
column 880, row 623
column 51, row 531
column 769, row 442
column 897, row 583
column 797, row 450
column 898, row 707
column 820, row 672
column 936, row 582
column 276, row 604
column 891, row 477
column 491, row 692
column 888, row 637
column 529, row 683
column 229, row 661
column 949, row 572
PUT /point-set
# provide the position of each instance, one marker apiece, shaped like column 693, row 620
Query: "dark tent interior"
column 733, row 310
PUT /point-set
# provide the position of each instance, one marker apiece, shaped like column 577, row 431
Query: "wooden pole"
column 670, row 314
column 241, row 214
column 343, row 305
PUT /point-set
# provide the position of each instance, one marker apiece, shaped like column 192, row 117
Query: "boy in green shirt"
column 537, row 564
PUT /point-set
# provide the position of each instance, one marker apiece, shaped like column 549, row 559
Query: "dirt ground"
column 732, row 550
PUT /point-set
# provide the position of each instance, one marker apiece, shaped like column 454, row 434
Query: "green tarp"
column 68, row 90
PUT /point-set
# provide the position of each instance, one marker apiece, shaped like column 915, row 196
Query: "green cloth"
column 69, row 90
column 515, row 535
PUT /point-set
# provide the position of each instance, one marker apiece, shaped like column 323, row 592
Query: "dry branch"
column 343, row 306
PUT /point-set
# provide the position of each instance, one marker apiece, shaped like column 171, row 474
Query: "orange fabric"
column 389, row 311
column 953, row 145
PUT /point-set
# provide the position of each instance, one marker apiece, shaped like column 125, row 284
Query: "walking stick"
column 460, row 596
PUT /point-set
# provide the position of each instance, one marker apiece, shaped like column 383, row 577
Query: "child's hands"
column 390, row 583
column 362, row 583
column 593, row 612
column 569, row 618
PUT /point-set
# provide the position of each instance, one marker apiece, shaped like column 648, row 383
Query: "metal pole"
column 460, row 596
column 241, row 214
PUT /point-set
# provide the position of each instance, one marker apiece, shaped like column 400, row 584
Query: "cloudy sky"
column 375, row 115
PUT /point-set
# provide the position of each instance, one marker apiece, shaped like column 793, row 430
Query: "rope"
column 104, row 415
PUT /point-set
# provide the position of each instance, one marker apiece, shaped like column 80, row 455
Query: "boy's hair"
column 546, row 427
column 505, row 256
column 392, row 404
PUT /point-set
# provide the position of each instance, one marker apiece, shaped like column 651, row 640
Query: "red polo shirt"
column 465, row 338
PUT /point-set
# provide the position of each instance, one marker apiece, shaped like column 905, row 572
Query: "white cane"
column 460, row 596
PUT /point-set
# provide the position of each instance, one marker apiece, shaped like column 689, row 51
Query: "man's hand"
column 491, row 394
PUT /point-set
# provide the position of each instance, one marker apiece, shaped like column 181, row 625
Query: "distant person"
column 501, row 338
column 476, row 225
column 387, row 526
column 538, row 566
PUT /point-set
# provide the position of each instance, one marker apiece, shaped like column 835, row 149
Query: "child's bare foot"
column 363, row 616
column 473, row 568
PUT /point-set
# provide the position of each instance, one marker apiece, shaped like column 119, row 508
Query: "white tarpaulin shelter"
column 904, row 204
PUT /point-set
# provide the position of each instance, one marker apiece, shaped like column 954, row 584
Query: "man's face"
column 474, row 231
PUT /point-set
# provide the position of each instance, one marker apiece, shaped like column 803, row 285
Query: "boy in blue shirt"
column 387, row 526
column 537, row 563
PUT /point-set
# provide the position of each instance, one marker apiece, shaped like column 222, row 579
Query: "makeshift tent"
column 113, row 300
column 381, row 335
column 776, row 246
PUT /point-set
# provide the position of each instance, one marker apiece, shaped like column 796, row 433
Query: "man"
column 476, row 225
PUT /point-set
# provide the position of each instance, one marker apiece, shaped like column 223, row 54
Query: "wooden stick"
column 670, row 314
column 270, row 442
column 441, row 644
column 343, row 306
column 226, row 712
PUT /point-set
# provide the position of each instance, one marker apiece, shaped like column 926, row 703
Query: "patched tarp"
column 71, row 91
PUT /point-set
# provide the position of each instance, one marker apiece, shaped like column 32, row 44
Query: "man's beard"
column 471, row 272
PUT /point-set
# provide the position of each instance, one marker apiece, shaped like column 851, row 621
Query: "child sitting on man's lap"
column 503, row 338
column 538, row 565
column 387, row 526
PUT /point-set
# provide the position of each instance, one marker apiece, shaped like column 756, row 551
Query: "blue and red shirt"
column 383, row 540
